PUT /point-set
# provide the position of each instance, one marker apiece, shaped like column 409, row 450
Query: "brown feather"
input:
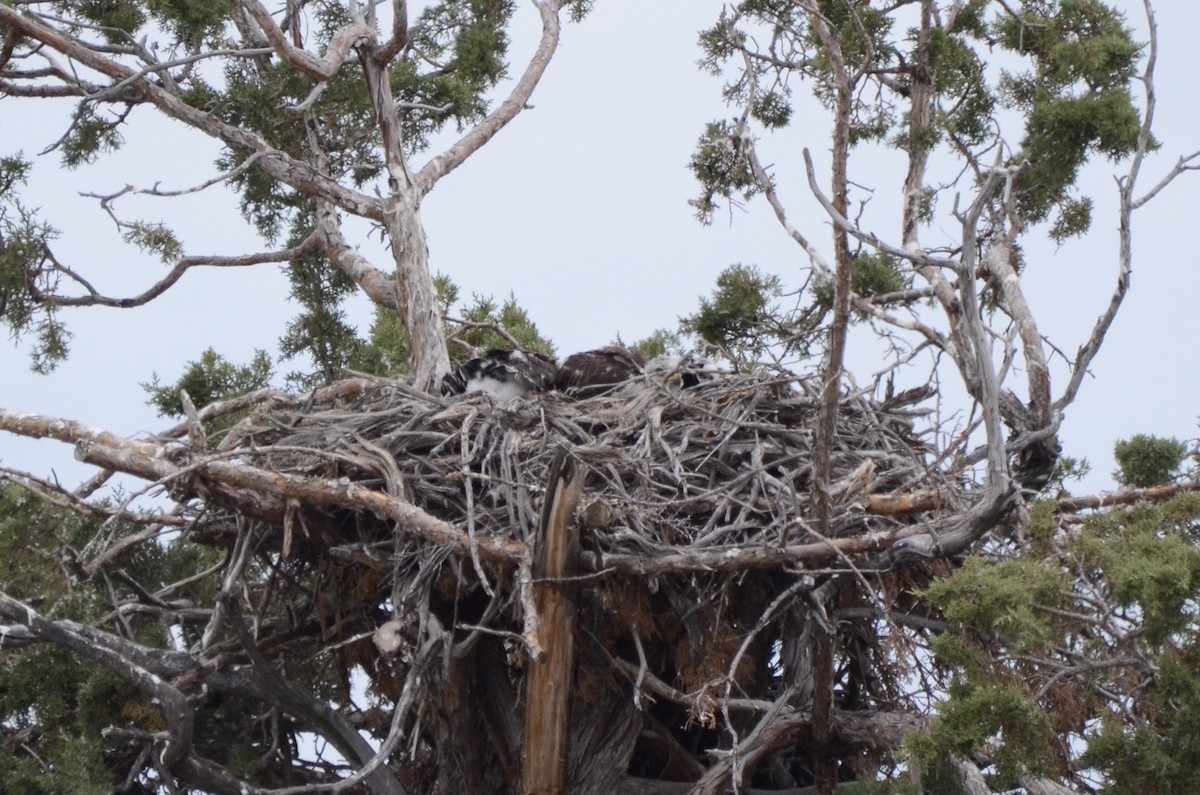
column 592, row 373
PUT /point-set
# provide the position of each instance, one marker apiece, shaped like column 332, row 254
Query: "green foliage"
column 62, row 732
column 482, row 317
column 466, row 39
column 25, row 572
column 1061, row 133
column 26, row 270
column 14, row 171
column 1074, row 218
column 456, row 57
column 722, row 169
column 723, row 40
column 1003, row 598
column 1149, row 560
column 967, row 104
column 259, row 98
column 320, row 331
column 447, row 291
column 577, row 10
column 772, row 109
column 481, row 325
column 781, row 11
column 975, row 713
column 862, row 34
column 60, row 702
column 1066, row 469
column 1076, row 96
column 386, row 349
column 796, row 47
column 89, row 136
column 741, row 313
column 208, row 379
column 121, row 18
column 970, row 19
column 444, row 75
column 1079, row 62
column 1162, row 757
column 1147, row 460
column 1079, row 43
column 871, row 274
column 154, row 238
column 190, row 22
column 991, row 606
column 52, row 342
column 659, row 343
column 1042, row 525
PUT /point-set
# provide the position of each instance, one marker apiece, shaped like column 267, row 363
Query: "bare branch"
column 119, row 656
column 988, row 388
column 95, row 298
column 320, row 715
column 480, row 134
column 1184, row 164
column 54, row 494
column 278, row 164
column 400, row 36
column 1128, row 496
column 1126, row 185
column 317, row 69
column 378, row 286
column 115, row 90
column 256, row 492
column 242, row 167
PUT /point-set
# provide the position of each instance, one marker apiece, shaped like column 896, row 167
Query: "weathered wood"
column 905, row 504
column 605, row 726
column 695, row 485
column 1106, row 499
column 549, row 682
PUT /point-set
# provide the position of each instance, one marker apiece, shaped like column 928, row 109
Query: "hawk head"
column 684, row 371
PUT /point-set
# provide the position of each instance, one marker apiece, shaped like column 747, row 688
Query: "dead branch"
column 506, row 111
column 549, row 685
column 1127, row 496
column 395, row 494
column 276, row 163
column 95, row 298
column 317, row 69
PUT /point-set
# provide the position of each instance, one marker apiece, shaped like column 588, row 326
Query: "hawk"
column 684, row 371
column 502, row 374
column 592, row 373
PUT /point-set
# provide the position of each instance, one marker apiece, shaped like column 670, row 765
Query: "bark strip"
column 549, row 682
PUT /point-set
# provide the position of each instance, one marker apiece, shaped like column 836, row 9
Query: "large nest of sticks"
column 669, row 470
column 683, row 491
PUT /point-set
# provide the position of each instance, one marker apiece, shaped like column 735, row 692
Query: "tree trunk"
column 428, row 357
column 549, row 681
column 427, row 354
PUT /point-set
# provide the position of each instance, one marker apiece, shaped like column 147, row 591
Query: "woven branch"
column 668, row 470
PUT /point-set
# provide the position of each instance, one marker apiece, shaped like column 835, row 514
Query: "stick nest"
column 668, row 469
column 670, row 474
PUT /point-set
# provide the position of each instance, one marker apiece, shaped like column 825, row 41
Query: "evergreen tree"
column 774, row 579
column 321, row 111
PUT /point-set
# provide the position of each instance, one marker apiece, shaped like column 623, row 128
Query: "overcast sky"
column 580, row 209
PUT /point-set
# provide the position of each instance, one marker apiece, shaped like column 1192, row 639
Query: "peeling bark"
column 549, row 688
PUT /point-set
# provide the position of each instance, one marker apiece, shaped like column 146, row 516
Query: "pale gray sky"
column 580, row 208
